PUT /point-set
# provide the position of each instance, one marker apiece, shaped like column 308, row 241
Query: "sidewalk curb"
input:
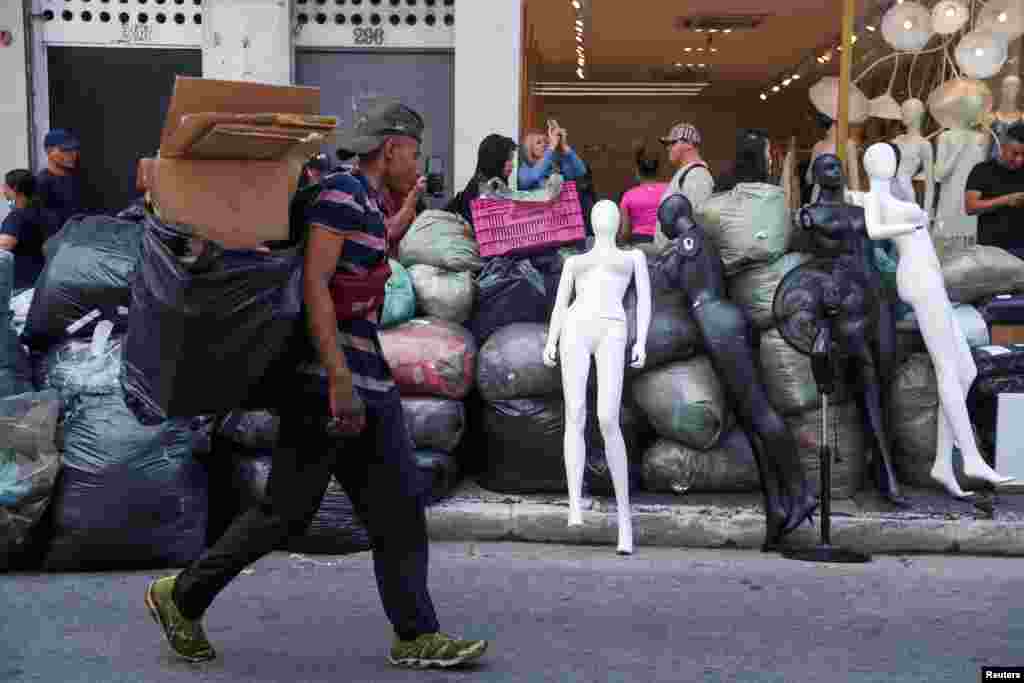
column 721, row 527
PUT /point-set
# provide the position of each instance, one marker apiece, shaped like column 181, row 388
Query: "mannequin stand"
column 823, row 367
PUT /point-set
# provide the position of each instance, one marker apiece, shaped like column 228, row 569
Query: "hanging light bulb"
column 576, row 4
column 1003, row 18
column 949, row 16
column 775, row 88
column 785, row 82
column 763, row 96
column 870, row 28
column 796, row 77
column 981, row 54
column 907, row 26
column 579, row 72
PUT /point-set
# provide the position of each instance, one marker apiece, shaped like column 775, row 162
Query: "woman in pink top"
column 639, row 207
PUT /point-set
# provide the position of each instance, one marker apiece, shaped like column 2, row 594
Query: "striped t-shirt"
column 352, row 209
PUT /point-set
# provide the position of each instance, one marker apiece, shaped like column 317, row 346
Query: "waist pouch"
column 355, row 295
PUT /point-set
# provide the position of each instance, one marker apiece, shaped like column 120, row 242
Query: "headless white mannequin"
column 920, row 284
column 959, row 150
column 915, row 155
column 595, row 325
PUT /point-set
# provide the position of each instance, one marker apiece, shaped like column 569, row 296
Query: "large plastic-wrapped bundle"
column 753, row 289
column 788, row 378
column 435, row 424
column 846, row 438
column 1000, row 371
column 511, row 364
column 227, row 316
column 981, row 271
column 685, row 402
column 29, row 463
column 749, row 224
column 673, row 335
column 431, row 357
column 972, row 323
column 90, row 265
column 440, row 239
column 441, row 293
column 671, row 467
column 399, row 297
column 509, row 291
column 131, row 495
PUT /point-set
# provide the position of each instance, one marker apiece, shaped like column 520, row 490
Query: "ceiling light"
column 700, row 49
column 853, row 39
column 870, row 28
column 775, row 88
column 688, row 49
column 581, row 61
column 726, row 30
column 576, row 4
column 579, row 72
column 763, row 96
column 908, row 24
column 1002, row 18
column 679, row 65
column 699, row 30
column 701, row 65
column 712, row 30
column 796, row 77
column 579, row 22
column 714, row 49
column 785, row 82
column 579, row 38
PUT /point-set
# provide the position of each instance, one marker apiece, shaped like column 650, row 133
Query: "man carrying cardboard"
column 341, row 416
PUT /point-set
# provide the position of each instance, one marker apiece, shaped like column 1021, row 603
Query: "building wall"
column 487, row 83
column 248, row 40
column 14, row 109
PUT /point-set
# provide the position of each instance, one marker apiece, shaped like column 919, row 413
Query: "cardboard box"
column 237, row 192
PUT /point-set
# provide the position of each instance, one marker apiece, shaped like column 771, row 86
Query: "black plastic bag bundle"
column 89, row 266
column 1000, row 371
column 201, row 336
column 511, row 364
column 130, row 496
column 254, row 430
column 435, row 423
column 508, row 291
column 15, row 368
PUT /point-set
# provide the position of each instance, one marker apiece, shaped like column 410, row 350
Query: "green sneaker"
column 435, row 650
column 185, row 636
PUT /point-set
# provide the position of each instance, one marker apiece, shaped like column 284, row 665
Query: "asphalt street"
column 553, row 613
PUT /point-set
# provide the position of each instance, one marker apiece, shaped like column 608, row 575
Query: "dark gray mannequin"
column 693, row 265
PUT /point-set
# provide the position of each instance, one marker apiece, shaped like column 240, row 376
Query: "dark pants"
column 377, row 471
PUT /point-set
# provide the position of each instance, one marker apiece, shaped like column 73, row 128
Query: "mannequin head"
column 1009, row 93
column 753, row 157
column 913, row 113
column 675, row 215
column 828, row 172
column 605, row 219
column 824, row 121
column 880, row 161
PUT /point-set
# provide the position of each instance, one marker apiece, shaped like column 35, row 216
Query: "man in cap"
column 59, row 184
column 693, row 180
column 341, row 415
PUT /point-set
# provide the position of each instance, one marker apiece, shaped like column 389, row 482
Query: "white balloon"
column 981, row 54
column 907, row 26
column 949, row 16
column 1003, row 18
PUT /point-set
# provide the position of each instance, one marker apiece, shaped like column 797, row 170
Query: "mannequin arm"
column 565, row 285
column 643, row 307
column 928, row 161
column 877, row 230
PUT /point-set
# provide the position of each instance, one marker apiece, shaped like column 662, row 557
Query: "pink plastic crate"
column 507, row 227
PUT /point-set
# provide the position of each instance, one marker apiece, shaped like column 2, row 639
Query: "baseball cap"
column 62, row 138
column 319, row 162
column 377, row 123
column 683, row 132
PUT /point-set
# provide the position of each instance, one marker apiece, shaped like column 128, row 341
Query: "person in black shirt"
column 995, row 193
column 59, row 184
column 25, row 229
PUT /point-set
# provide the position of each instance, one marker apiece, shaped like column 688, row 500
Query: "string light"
column 579, row 24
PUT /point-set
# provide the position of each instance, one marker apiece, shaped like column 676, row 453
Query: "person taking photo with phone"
column 541, row 151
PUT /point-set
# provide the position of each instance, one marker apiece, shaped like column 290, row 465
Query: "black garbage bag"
column 673, row 335
column 130, row 495
column 1000, row 371
column 508, row 291
column 440, row 474
column 511, row 364
column 201, row 336
column 29, row 465
column 89, row 266
column 254, row 430
column 435, row 424
column 335, row 530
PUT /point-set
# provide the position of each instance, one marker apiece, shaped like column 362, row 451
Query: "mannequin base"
column 826, row 553
column 625, row 553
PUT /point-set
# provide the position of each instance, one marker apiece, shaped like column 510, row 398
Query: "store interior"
column 614, row 75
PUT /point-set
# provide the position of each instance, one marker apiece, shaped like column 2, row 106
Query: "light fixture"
column 581, row 61
column 726, row 30
column 775, row 88
column 687, row 49
column 870, row 28
column 981, row 54
column 796, row 77
column 579, row 72
column 700, row 49
column 714, row 49
column 763, row 96
column 679, row 65
column 907, row 26
column 579, row 38
column 579, row 22
column 1003, row 18
column 949, row 16
column 699, row 30
column 598, row 89
column 576, row 4
column 785, row 83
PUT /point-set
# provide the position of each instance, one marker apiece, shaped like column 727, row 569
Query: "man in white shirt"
column 693, row 179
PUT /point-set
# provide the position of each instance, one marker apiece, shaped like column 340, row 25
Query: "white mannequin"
column 920, row 284
column 916, row 155
column 1006, row 114
column 595, row 325
column 959, row 150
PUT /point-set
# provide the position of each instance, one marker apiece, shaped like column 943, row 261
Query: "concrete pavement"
column 937, row 524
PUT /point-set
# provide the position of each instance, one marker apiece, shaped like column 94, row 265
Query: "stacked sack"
column 753, row 231
column 523, row 419
column 441, row 256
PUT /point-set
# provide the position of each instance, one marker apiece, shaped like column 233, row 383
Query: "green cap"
column 377, row 123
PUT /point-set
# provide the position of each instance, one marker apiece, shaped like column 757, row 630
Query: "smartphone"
column 435, row 176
